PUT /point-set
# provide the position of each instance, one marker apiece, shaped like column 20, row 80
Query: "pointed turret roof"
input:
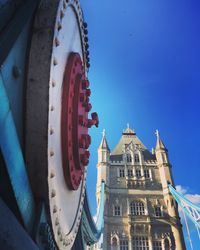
column 159, row 143
column 130, row 139
column 104, row 144
column 128, row 136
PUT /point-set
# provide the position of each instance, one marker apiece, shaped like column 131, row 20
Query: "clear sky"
column 145, row 71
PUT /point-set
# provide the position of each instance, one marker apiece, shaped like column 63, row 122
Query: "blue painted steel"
column 13, row 158
column 190, row 209
column 17, row 13
column 100, row 216
column 92, row 231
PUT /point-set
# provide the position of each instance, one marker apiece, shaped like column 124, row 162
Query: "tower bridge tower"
column 140, row 213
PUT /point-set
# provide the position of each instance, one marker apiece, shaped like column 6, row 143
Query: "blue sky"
column 145, row 71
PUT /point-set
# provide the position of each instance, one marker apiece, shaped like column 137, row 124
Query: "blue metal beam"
column 11, row 151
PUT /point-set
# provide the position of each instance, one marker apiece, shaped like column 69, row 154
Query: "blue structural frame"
column 11, row 151
column 189, row 208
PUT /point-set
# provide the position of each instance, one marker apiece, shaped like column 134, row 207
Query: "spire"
column 128, row 131
column 159, row 143
column 104, row 144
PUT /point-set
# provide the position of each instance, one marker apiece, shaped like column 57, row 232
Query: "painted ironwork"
column 189, row 208
column 75, row 122
column 58, row 54
column 91, row 229
column 11, row 150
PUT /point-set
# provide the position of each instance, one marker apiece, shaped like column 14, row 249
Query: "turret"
column 103, row 150
column 166, row 177
column 103, row 164
column 163, row 162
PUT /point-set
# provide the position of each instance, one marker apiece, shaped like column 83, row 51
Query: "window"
column 130, row 173
column 138, row 173
column 114, row 241
column 157, row 245
column 136, row 158
column 123, row 244
column 117, row 210
column 140, row 243
column 166, row 242
column 121, row 173
column 146, row 173
column 129, row 158
column 158, row 212
column 137, row 208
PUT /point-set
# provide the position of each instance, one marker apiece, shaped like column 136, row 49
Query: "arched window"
column 166, row 243
column 158, row 212
column 136, row 158
column 114, row 241
column 128, row 158
column 137, row 208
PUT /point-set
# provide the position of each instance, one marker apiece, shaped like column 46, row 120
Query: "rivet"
column 52, row 175
column 53, row 193
column 53, row 83
column 52, row 108
column 55, row 62
column 56, row 221
column 61, row 14
column 59, row 231
column 55, row 209
column 61, row 238
column 57, row 42
column 51, row 131
column 59, row 26
column 51, row 153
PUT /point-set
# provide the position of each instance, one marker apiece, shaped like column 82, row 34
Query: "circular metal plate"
column 53, row 116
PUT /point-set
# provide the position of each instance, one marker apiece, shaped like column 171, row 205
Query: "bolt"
column 61, row 14
column 85, row 25
column 53, row 193
column 95, row 119
column 55, row 209
column 86, row 39
column 82, row 97
column 88, row 107
column 57, row 42
column 55, row 62
column 56, row 221
column 59, row 27
column 85, row 31
column 88, row 92
column 80, row 119
column 52, row 175
column 85, row 84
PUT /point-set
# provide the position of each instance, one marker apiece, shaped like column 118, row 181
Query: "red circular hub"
column 75, row 122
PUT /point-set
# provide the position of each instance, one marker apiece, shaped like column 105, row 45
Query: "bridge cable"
column 197, row 230
column 188, row 231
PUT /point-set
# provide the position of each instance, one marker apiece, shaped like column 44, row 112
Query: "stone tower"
column 140, row 213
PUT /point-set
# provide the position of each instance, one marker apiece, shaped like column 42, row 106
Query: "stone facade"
column 140, row 213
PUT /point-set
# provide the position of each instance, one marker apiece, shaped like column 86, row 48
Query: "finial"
column 104, row 132
column 128, row 126
column 157, row 133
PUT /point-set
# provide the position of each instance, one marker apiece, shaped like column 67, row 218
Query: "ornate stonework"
column 140, row 213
